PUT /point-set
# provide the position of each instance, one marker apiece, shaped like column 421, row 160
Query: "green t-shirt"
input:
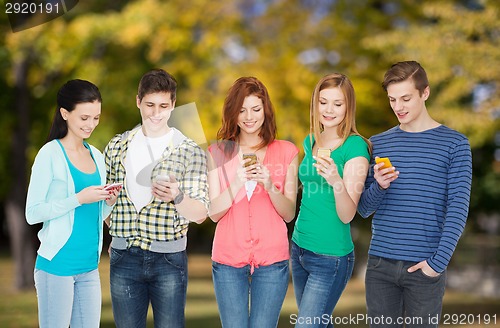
column 318, row 227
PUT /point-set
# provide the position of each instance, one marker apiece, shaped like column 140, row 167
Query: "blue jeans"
column 318, row 282
column 68, row 300
column 264, row 290
column 402, row 297
column 138, row 277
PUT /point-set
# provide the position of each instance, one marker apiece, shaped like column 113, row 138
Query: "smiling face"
column 407, row 102
column 83, row 119
column 251, row 116
column 155, row 111
column 331, row 107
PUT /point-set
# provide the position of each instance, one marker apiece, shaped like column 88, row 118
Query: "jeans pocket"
column 349, row 270
column 282, row 265
column 422, row 274
column 115, row 255
column 373, row 262
column 177, row 260
column 219, row 267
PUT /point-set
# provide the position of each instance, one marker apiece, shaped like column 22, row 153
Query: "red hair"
column 229, row 131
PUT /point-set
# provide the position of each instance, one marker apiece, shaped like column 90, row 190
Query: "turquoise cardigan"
column 51, row 198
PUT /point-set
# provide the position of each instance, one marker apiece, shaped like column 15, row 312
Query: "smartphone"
column 112, row 186
column 163, row 178
column 323, row 152
column 385, row 160
column 253, row 159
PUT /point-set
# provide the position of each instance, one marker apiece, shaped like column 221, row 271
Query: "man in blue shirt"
column 420, row 205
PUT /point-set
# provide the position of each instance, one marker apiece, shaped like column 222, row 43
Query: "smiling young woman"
column 66, row 193
column 332, row 173
column 251, row 204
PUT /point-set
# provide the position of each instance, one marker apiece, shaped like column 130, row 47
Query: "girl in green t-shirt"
column 332, row 173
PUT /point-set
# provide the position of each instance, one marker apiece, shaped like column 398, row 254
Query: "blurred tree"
column 207, row 45
column 37, row 61
column 458, row 43
column 112, row 48
column 16, row 114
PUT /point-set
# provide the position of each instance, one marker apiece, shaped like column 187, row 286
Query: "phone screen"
column 253, row 159
column 324, row 152
column 113, row 186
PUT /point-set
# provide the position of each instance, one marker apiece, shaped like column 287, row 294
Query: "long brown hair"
column 229, row 131
column 348, row 126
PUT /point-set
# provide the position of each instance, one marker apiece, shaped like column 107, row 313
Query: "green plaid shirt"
column 159, row 220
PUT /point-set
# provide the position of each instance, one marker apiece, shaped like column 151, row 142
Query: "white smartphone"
column 163, row 178
column 112, row 186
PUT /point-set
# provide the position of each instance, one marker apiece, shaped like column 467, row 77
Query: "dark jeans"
column 397, row 298
column 138, row 277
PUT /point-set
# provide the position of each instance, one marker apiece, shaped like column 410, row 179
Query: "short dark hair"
column 157, row 81
column 72, row 93
column 405, row 70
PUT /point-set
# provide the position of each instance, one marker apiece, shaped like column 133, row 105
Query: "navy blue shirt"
column 422, row 215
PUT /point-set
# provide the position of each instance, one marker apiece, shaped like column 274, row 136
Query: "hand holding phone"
column 385, row 160
column 385, row 179
column 162, row 178
column 113, row 186
column 323, row 152
column 253, row 159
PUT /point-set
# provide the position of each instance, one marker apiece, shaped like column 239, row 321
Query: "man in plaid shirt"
column 164, row 177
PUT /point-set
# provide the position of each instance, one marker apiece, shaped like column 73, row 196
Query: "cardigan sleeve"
column 48, row 192
column 101, row 166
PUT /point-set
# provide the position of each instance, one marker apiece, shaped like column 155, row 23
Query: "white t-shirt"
column 139, row 164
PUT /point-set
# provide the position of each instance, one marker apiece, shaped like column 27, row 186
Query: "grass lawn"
column 19, row 309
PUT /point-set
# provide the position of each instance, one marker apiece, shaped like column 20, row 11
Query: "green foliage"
column 458, row 48
column 207, row 45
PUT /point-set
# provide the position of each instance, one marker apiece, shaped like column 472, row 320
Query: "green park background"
column 289, row 45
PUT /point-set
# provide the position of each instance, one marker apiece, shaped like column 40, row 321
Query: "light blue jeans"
column 318, row 282
column 68, row 300
column 264, row 291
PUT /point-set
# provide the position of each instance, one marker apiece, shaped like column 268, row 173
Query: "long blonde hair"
column 348, row 126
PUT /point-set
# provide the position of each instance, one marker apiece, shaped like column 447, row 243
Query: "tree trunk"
column 21, row 234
